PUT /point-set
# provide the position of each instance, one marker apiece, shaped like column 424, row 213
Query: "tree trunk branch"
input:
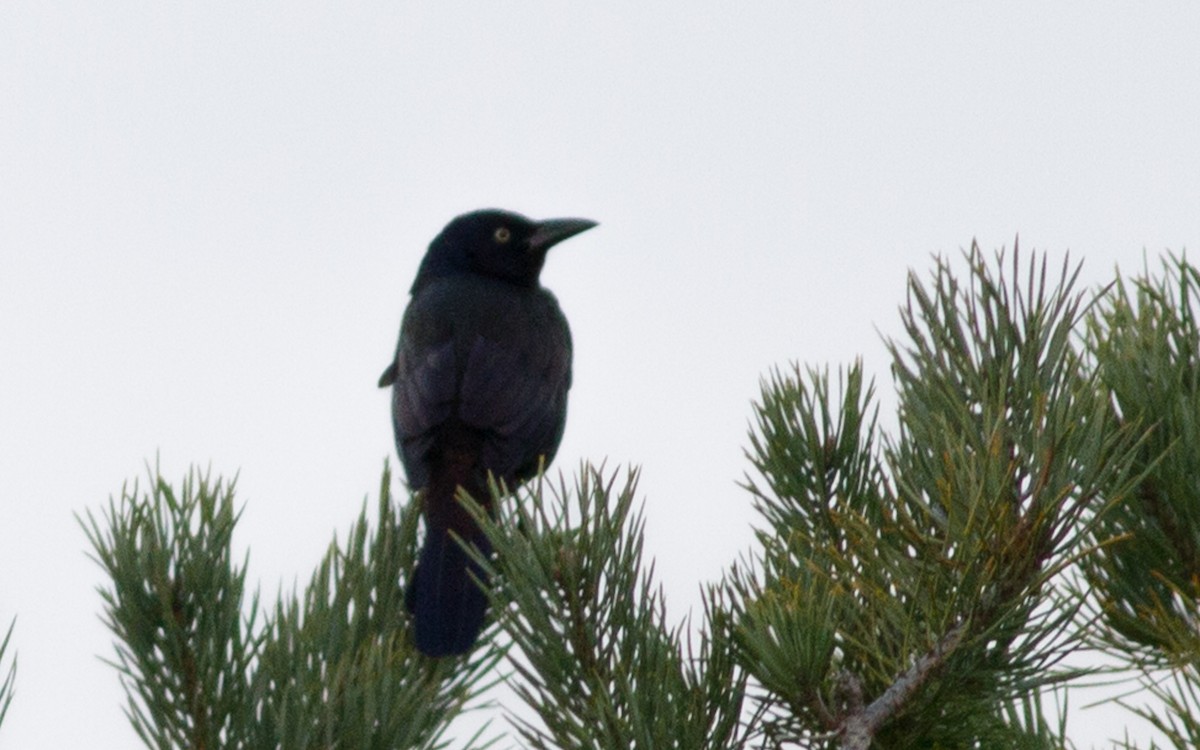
column 861, row 724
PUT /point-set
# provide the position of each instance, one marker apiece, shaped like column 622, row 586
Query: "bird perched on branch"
column 479, row 385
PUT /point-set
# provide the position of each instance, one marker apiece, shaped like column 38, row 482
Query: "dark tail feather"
column 447, row 605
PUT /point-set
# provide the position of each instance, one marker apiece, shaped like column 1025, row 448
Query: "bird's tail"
column 444, row 595
column 447, row 604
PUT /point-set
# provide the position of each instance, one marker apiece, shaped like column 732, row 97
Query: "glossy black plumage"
column 480, row 381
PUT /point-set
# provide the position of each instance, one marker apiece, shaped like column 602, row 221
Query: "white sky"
column 210, row 216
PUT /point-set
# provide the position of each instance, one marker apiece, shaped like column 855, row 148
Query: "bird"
column 479, row 387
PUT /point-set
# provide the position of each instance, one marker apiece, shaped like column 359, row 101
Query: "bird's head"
column 498, row 244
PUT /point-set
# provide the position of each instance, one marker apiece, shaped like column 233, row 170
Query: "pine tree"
column 910, row 590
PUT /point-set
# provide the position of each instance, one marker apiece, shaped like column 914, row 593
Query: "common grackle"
column 480, row 380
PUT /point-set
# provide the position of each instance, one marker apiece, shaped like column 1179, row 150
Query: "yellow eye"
column 502, row 235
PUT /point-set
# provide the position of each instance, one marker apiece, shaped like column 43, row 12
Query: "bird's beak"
column 553, row 231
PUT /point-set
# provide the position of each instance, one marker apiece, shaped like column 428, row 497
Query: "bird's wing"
column 423, row 397
column 389, row 375
column 425, row 388
column 516, row 391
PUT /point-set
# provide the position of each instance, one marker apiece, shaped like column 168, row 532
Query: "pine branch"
column 201, row 669
column 176, row 606
column 1147, row 352
column 1143, row 585
column 860, row 727
column 906, row 595
column 337, row 667
column 7, row 689
column 592, row 652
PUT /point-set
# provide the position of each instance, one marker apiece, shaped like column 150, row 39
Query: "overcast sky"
column 210, row 214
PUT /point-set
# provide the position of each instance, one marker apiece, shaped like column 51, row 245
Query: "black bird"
column 480, row 380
